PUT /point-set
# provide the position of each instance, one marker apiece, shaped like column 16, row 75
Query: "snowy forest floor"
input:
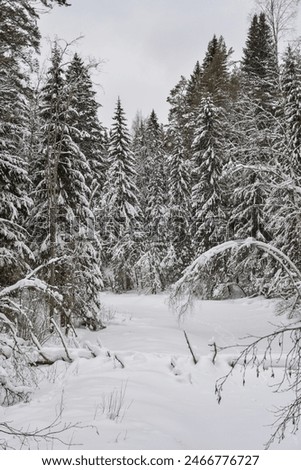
column 151, row 404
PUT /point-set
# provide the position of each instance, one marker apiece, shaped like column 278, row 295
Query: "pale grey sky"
column 146, row 45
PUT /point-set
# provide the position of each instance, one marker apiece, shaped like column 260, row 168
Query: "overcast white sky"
column 146, row 45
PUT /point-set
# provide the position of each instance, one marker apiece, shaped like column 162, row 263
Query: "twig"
column 50, row 432
column 214, row 351
column 120, row 362
column 190, row 348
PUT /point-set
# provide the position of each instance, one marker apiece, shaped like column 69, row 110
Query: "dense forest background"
column 85, row 208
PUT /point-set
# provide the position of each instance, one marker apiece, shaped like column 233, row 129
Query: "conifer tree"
column 216, row 77
column 213, row 77
column 179, row 210
column 194, row 87
column 155, row 177
column 207, row 193
column 279, row 15
column 19, row 39
column 179, row 113
column 292, row 112
column 153, row 204
column 62, row 219
column 258, row 58
column 254, row 135
column 252, row 143
column 91, row 137
column 259, row 66
column 120, row 202
column 284, row 203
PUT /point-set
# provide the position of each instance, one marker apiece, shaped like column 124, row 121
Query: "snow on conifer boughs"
column 259, row 67
column 14, row 201
column 152, row 180
column 291, row 90
column 285, row 201
column 91, row 136
column 19, row 34
column 19, row 38
column 254, row 131
column 62, row 219
column 120, row 192
column 207, row 194
column 120, row 202
column 179, row 210
column 156, row 169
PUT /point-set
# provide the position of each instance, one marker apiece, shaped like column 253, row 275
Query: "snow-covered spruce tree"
column 207, row 194
column 194, row 87
column 91, row 141
column 250, row 178
column 208, row 220
column 91, row 138
column 258, row 55
column 260, row 77
column 181, row 113
column 62, row 220
column 284, row 204
column 121, row 205
column 179, row 206
column 19, row 38
column 290, row 81
column 248, row 174
column 152, row 186
column 213, row 77
column 252, row 144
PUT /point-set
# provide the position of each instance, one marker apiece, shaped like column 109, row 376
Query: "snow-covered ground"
column 159, row 399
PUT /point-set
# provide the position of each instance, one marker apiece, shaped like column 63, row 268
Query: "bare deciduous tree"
column 280, row 15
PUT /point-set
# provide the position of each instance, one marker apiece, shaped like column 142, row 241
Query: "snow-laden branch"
column 183, row 291
column 27, row 284
column 42, row 266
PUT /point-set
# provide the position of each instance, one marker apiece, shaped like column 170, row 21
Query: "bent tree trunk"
column 183, row 291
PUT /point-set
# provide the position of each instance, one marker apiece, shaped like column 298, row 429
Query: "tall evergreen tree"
column 179, row 109
column 255, row 134
column 279, row 15
column 216, row 76
column 19, row 38
column 155, row 177
column 259, row 66
column 179, row 211
column 91, row 138
column 252, row 143
column 153, row 204
column 61, row 217
column 284, row 204
column 207, row 194
column 258, row 55
column 121, row 203
column 291, row 77
column 194, row 87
